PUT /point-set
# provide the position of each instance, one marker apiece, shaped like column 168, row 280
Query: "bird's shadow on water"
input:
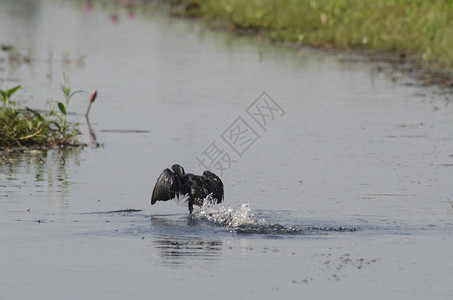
column 176, row 250
column 180, row 239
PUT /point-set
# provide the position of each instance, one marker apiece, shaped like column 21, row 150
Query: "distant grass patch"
column 414, row 27
column 29, row 128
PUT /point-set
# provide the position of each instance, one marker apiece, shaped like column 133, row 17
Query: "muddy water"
column 338, row 188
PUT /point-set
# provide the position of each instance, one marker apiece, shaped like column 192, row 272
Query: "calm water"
column 336, row 187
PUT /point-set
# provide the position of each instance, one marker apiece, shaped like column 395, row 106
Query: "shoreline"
column 426, row 72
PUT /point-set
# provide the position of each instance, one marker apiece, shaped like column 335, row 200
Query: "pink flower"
column 93, row 96
column 88, row 8
column 131, row 15
column 114, row 18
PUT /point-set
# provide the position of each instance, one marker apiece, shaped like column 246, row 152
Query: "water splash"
column 241, row 220
column 227, row 216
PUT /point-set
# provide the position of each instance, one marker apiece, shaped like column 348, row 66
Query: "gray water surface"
column 341, row 194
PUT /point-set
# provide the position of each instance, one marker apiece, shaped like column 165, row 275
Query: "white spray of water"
column 227, row 216
column 242, row 220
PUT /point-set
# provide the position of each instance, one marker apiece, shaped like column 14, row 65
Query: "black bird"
column 171, row 184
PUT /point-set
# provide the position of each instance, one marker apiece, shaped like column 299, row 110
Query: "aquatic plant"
column 20, row 127
column 5, row 96
column 63, row 107
column 15, row 56
column 30, row 128
column 93, row 96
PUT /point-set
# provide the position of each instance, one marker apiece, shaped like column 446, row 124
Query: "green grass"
column 29, row 128
column 423, row 28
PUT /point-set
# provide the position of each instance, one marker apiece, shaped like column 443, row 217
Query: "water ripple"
column 242, row 221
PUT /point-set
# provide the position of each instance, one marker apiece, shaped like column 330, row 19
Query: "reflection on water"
column 46, row 170
column 179, row 240
column 179, row 250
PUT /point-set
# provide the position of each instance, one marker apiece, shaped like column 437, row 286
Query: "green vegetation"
column 28, row 128
column 423, row 28
column 62, row 106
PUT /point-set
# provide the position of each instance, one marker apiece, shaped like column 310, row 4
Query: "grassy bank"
column 423, row 28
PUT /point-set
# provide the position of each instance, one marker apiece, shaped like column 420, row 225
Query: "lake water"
column 337, row 178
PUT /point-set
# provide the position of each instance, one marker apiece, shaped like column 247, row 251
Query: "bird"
column 199, row 188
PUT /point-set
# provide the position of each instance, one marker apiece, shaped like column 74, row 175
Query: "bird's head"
column 179, row 170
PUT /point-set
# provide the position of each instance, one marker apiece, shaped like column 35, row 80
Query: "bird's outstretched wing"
column 167, row 187
column 216, row 185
